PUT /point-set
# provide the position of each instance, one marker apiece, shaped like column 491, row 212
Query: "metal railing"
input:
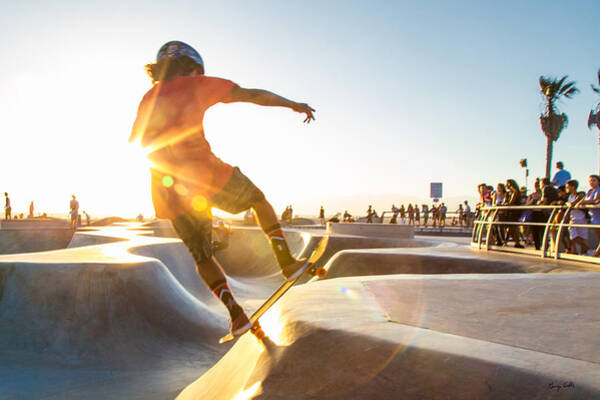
column 488, row 218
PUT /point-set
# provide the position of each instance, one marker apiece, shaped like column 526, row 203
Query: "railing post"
column 559, row 233
column 491, row 218
column 482, row 218
column 545, row 237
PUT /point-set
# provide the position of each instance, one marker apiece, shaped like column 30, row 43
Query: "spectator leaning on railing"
column 549, row 195
column 592, row 197
column 577, row 235
column 513, row 198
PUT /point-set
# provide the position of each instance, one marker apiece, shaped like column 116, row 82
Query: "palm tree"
column 551, row 121
column 593, row 118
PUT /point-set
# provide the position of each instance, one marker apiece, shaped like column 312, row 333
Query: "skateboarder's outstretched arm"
column 266, row 98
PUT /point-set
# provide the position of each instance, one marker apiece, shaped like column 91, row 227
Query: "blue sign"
column 435, row 191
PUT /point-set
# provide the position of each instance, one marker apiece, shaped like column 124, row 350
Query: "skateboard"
column 312, row 270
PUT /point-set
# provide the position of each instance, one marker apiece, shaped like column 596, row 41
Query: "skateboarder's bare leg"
column 267, row 219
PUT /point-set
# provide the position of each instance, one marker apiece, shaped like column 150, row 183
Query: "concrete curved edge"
column 75, row 319
column 332, row 339
column 311, row 321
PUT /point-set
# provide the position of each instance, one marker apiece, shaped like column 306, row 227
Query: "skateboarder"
column 188, row 179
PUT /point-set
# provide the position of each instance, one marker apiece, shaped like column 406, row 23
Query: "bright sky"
column 406, row 93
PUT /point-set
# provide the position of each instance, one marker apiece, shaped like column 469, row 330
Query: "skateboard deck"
column 320, row 272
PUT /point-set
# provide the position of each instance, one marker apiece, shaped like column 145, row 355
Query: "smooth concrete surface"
column 121, row 314
column 372, row 230
column 29, row 235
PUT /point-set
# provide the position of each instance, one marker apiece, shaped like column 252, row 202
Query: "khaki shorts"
column 195, row 228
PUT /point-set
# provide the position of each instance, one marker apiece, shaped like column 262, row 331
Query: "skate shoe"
column 294, row 270
column 240, row 325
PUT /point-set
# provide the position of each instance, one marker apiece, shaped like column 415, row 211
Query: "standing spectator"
column 461, row 214
column 513, row 199
column 402, row 214
column 443, row 211
column 549, row 195
column 370, row 214
column 417, row 215
column 7, row 207
column 577, row 235
column 561, row 176
column 592, row 197
column 411, row 214
column 467, row 214
column 30, row 210
column 425, row 214
column 434, row 215
column 322, row 215
column 87, row 218
column 74, row 211
column 395, row 212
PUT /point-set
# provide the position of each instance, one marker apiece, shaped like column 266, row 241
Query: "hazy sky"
column 406, row 93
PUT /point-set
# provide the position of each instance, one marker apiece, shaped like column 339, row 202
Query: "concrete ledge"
column 373, row 230
column 34, row 224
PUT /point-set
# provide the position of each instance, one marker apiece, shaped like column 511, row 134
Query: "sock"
column 221, row 290
column 279, row 245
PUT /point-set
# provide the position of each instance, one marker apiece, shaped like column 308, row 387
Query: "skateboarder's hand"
column 304, row 108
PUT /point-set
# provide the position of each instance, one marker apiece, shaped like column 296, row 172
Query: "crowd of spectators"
column 561, row 190
column 434, row 215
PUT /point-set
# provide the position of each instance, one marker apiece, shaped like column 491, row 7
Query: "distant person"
column 561, row 176
column 411, row 214
column 549, row 195
column 222, row 233
column 87, row 218
column 30, row 210
column 460, row 212
column 249, row 217
column 7, row 207
column 443, row 212
column 139, row 218
column 347, row 217
column 434, row 215
column 402, row 214
column 467, row 214
column 513, row 198
column 284, row 214
column 425, row 214
column 322, row 215
column 592, row 198
column 577, row 235
column 170, row 123
column 417, row 215
column 395, row 212
column 370, row 214
column 74, row 211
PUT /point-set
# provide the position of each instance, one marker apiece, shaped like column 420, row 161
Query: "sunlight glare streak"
column 250, row 392
column 272, row 323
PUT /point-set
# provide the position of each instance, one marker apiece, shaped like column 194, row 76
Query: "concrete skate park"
column 118, row 312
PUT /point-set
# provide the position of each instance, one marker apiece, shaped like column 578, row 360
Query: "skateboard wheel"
column 321, row 272
column 259, row 333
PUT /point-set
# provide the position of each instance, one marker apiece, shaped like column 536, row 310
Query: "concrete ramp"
column 351, row 350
